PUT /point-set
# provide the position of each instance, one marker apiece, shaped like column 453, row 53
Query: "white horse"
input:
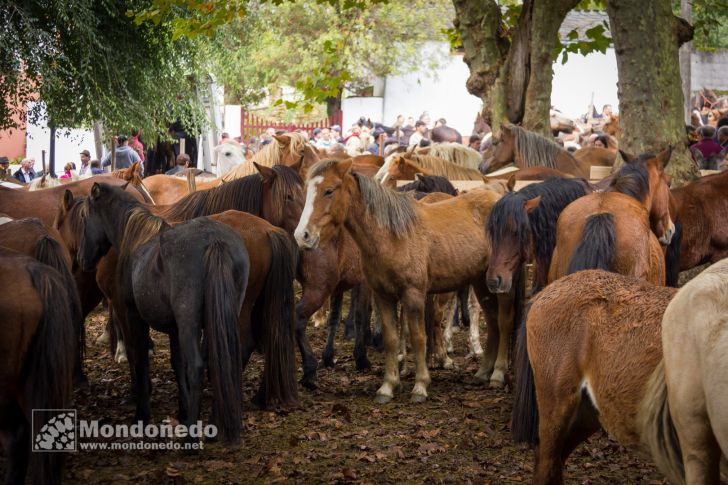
column 226, row 156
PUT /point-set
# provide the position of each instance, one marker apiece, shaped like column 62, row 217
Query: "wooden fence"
column 254, row 126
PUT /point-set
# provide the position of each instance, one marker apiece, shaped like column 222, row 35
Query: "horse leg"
column 17, row 444
column 377, row 336
column 350, row 323
column 489, row 305
column 320, row 316
column 438, row 344
column 178, row 367
column 387, row 310
column 403, row 339
column 413, row 307
column 463, row 297
column 362, row 315
column 313, row 298
column 556, row 411
column 188, row 332
column 506, row 313
column 334, row 316
column 476, row 349
column 450, row 317
column 135, row 333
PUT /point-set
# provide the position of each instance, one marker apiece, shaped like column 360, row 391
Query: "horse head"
column 283, row 198
column 504, row 148
column 94, row 243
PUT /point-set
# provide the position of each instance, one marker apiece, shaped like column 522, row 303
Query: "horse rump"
column 597, row 247
column 222, row 308
column 49, row 366
column 657, row 429
column 275, row 310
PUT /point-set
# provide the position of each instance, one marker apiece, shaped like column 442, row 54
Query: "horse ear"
column 627, row 157
column 531, row 204
column 283, row 140
column 663, row 158
column 67, row 201
column 267, row 172
column 342, row 168
column 96, row 190
column 419, row 176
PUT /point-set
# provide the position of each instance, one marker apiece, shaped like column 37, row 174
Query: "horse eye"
column 227, row 154
column 329, row 192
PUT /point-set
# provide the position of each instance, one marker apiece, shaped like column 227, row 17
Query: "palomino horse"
column 37, row 349
column 450, row 156
column 32, row 238
column 453, row 152
column 528, row 149
column 522, row 228
column 584, row 358
column 611, row 230
column 701, row 207
column 405, row 167
column 160, row 273
column 435, row 248
column 688, row 388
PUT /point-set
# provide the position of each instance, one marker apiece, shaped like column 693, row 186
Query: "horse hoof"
column 327, row 362
column 363, row 364
column 496, row 385
column 382, row 399
column 418, row 399
column 309, row 383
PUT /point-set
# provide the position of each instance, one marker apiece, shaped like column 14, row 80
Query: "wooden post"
column 381, row 144
column 182, row 146
column 685, row 57
column 113, row 153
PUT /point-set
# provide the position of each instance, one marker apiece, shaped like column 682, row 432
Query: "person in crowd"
column 136, row 144
column 68, row 170
column 601, row 141
column 125, row 155
column 441, row 122
column 707, row 145
column 336, row 134
column 325, row 142
column 425, row 118
column 4, row 168
column 267, row 137
column 474, row 142
column 183, row 162
column 419, row 133
column 409, row 124
column 399, row 122
column 723, row 136
column 85, row 159
column 96, row 167
column 224, row 138
column 26, row 173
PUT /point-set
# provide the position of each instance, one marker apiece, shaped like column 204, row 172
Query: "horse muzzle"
column 306, row 238
column 667, row 237
column 498, row 285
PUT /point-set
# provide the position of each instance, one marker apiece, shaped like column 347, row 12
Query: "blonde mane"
column 457, row 154
column 534, row 150
column 44, row 182
column 271, row 154
column 141, row 226
column 438, row 166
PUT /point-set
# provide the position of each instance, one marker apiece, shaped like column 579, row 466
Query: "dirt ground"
column 460, row 435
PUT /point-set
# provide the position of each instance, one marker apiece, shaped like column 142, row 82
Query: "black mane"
column 633, row 179
column 427, row 184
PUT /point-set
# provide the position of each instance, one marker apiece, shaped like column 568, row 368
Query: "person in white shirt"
column 419, row 133
column 85, row 160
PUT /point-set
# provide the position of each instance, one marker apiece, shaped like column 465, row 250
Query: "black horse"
column 180, row 280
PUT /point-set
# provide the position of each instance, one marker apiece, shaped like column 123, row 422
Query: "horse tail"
column 50, row 366
column 657, row 429
column 672, row 257
column 430, row 325
column 221, row 310
column 48, row 251
column 524, row 419
column 275, row 309
column 597, row 247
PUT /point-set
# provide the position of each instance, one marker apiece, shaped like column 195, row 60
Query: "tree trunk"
column 547, row 17
column 333, row 104
column 512, row 78
column 686, row 51
column 646, row 38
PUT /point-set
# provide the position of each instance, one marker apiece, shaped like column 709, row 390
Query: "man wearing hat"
column 85, row 159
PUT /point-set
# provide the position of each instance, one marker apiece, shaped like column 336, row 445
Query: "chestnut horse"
column 405, row 167
column 435, row 248
column 619, row 230
column 584, row 358
column 688, row 388
column 36, row 344
column 527, row 149
column 522, row 229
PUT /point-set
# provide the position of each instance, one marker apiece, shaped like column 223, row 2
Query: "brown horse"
column 434, row 248
column 43, row 204
column 688, row 389
column 528, row 149
column 702, row 208
column 619, row 230
column 405, row 167
column 596, row 156
column 36, row 346
column 590, row 343
column 31, row 238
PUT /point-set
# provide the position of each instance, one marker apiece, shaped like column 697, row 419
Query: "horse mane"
column 444, row 168
column 141, row 226
column 427, row 184
column 539, row 226
column 534, row 150
column 75, row 216
column 270, row 155
column 130, row 174
column 244, row 194
column 392, row 210
column 457, row 154
column 633, row 179
column 44, row 182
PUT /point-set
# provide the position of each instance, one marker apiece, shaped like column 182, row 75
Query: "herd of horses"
column 603, row 338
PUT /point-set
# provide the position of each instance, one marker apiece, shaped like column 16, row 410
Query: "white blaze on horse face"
column 303, row 234
column 667, row 237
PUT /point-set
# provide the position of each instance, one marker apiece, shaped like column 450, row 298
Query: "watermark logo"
column 62, row 431
column 57, row 433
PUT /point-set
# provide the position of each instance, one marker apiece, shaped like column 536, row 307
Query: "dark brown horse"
column 36, row 345
column 31, row 238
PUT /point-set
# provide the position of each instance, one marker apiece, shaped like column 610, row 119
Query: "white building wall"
column 443, row 94
column 355, row 107
column 575, row 81
column 231, row 120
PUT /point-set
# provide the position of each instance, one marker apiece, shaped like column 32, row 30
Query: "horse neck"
column 369, row 236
